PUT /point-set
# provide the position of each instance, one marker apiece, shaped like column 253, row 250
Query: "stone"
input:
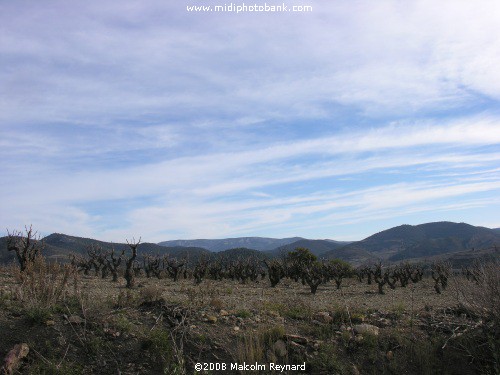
column 279, row 348
column 323, row 317
column 236, row 328
column 389, row 355
column 223, row 313
column 384, row 322
column 297, row 347
column 297, row 339
column 212, row 319
column 13, row 359
column 366, row 329
column 49, row 323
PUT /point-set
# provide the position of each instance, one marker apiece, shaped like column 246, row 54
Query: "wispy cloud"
column 145, row 119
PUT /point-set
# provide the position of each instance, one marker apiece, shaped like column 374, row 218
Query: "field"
column 82, row 324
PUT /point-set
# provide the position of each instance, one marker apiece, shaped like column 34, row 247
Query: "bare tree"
column 81, row 263
column 97, row 259
column 200, row 270
column 129, row 273
column 440, row 272
column 113, row 262
column 174, row 267
column 313, row 275
column 153, row 265
column 276, row 271
column 27, row 247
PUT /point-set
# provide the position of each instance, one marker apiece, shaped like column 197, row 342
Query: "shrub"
column 162, row 346
column 253, row 347
column 482, row 296
column 217, row 303
column 151, row 293
column 44, row 284
column 243, row 314
column 327, row 361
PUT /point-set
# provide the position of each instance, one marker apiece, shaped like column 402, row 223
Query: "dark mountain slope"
column 424, row 240
column 241, row 253
column 317, row 247
column 50, row 252
column 257, row 243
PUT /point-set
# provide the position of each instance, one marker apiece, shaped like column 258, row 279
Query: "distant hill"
column 317, row 247
column 351, row 254
column 191, row 253
column 257, row 243
column 424, row 240
column 80, row 245
column 59, row 246
column 462, row 258
column 459, row 242
column 241, row 253
column 50, row 252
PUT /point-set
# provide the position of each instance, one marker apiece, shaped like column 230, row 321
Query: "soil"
column 104, row 328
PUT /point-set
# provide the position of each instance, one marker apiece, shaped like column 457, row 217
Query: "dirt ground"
column 109, row 329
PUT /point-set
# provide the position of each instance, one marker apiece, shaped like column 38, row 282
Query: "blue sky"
column 128, row 118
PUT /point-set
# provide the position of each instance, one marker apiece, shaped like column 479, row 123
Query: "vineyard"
column 126, row 312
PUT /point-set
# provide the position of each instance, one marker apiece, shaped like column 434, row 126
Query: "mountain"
column 256, row 243
column 458, row 242
column 351, row 254
column 50, row 252
column 233, row 254
column 59, row 246
column 463, row 258
column 317, row 247
column 80, row 245
column 424, row 240
column 192, row 253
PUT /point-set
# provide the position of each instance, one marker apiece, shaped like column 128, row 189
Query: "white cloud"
column 224, row 123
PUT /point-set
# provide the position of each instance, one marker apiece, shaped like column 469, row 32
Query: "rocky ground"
column 166, row 327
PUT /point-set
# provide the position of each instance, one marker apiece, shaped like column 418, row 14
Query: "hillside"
column 80, row 245
column 317, row 247
column 462, row 258
column 425, row 240
column 351, row 254
column 50, row 252
column 59, row 246
column 404, row 242
column 257, row 243
column 231, row 254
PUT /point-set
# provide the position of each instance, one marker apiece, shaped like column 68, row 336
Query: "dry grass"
column 256, row 317
column 43, row 285
column 253, row 347
column 481, row 297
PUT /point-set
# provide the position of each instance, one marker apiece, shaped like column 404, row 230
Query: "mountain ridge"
column 423, row 240
column 216, row 245
column 400, row 243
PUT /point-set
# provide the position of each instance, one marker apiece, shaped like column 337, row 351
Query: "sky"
column 123, row 119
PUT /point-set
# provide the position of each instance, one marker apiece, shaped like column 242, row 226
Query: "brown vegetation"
column 324, row 314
